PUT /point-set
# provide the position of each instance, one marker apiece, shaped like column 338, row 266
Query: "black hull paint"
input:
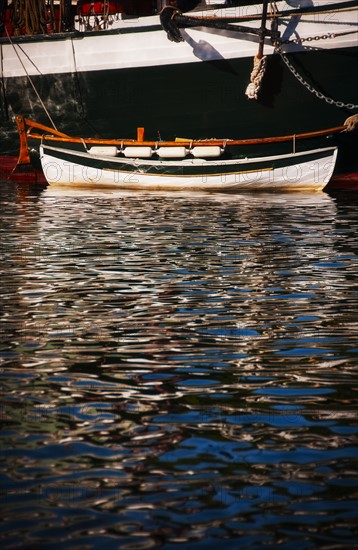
column 198, row 100
column 204, row 169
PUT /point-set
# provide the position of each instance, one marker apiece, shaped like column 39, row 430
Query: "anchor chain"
column 296, row 74
column 327, row 36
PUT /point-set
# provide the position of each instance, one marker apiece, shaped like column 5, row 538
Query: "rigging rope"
column 34, row 16
column 30, row 80
column 31, row 15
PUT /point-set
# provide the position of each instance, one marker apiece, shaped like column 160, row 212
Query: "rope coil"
column 38, row 16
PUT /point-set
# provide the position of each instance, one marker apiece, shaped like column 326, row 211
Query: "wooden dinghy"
column 177, row 168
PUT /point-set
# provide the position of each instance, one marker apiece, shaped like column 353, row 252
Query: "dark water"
column 178, row 371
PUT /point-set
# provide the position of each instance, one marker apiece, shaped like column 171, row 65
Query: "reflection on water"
column 178, row 370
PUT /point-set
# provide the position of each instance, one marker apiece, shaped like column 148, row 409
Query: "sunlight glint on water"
column 178, row 369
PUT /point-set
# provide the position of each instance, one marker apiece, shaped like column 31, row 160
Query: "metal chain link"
column 304, row 82
column 329, row 36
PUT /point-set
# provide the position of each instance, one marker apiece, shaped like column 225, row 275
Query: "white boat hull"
column 308, row 170
column 141, row 42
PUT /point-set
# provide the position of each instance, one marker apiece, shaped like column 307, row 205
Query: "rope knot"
column 256, row 77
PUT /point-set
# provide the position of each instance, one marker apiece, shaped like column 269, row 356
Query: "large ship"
column 198, row 69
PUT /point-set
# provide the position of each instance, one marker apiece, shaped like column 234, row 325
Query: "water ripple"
column 178, row 369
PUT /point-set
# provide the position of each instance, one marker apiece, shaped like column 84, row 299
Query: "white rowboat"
column 304, row 170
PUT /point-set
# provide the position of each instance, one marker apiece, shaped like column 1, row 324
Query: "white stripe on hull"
column 311, row 175
column 133, row 47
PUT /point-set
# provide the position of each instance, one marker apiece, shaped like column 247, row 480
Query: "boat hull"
column 308, row 170
column 108, row 82
column 196, row 98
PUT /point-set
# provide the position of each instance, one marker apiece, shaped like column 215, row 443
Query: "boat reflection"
column 173, row 360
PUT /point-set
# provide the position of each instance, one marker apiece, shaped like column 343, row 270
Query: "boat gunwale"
column 181, row 142
column 187, row 162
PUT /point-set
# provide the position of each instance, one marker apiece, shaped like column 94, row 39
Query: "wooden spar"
column 24, row 127
column 51, row 135
column 24, row 158
column 32, row 124
column 24, row 166
column 296, row 12
column 262, row 32
column 23, row 171
column 275, row 139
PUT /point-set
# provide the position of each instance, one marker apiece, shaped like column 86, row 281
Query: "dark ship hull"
column 106, row 83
